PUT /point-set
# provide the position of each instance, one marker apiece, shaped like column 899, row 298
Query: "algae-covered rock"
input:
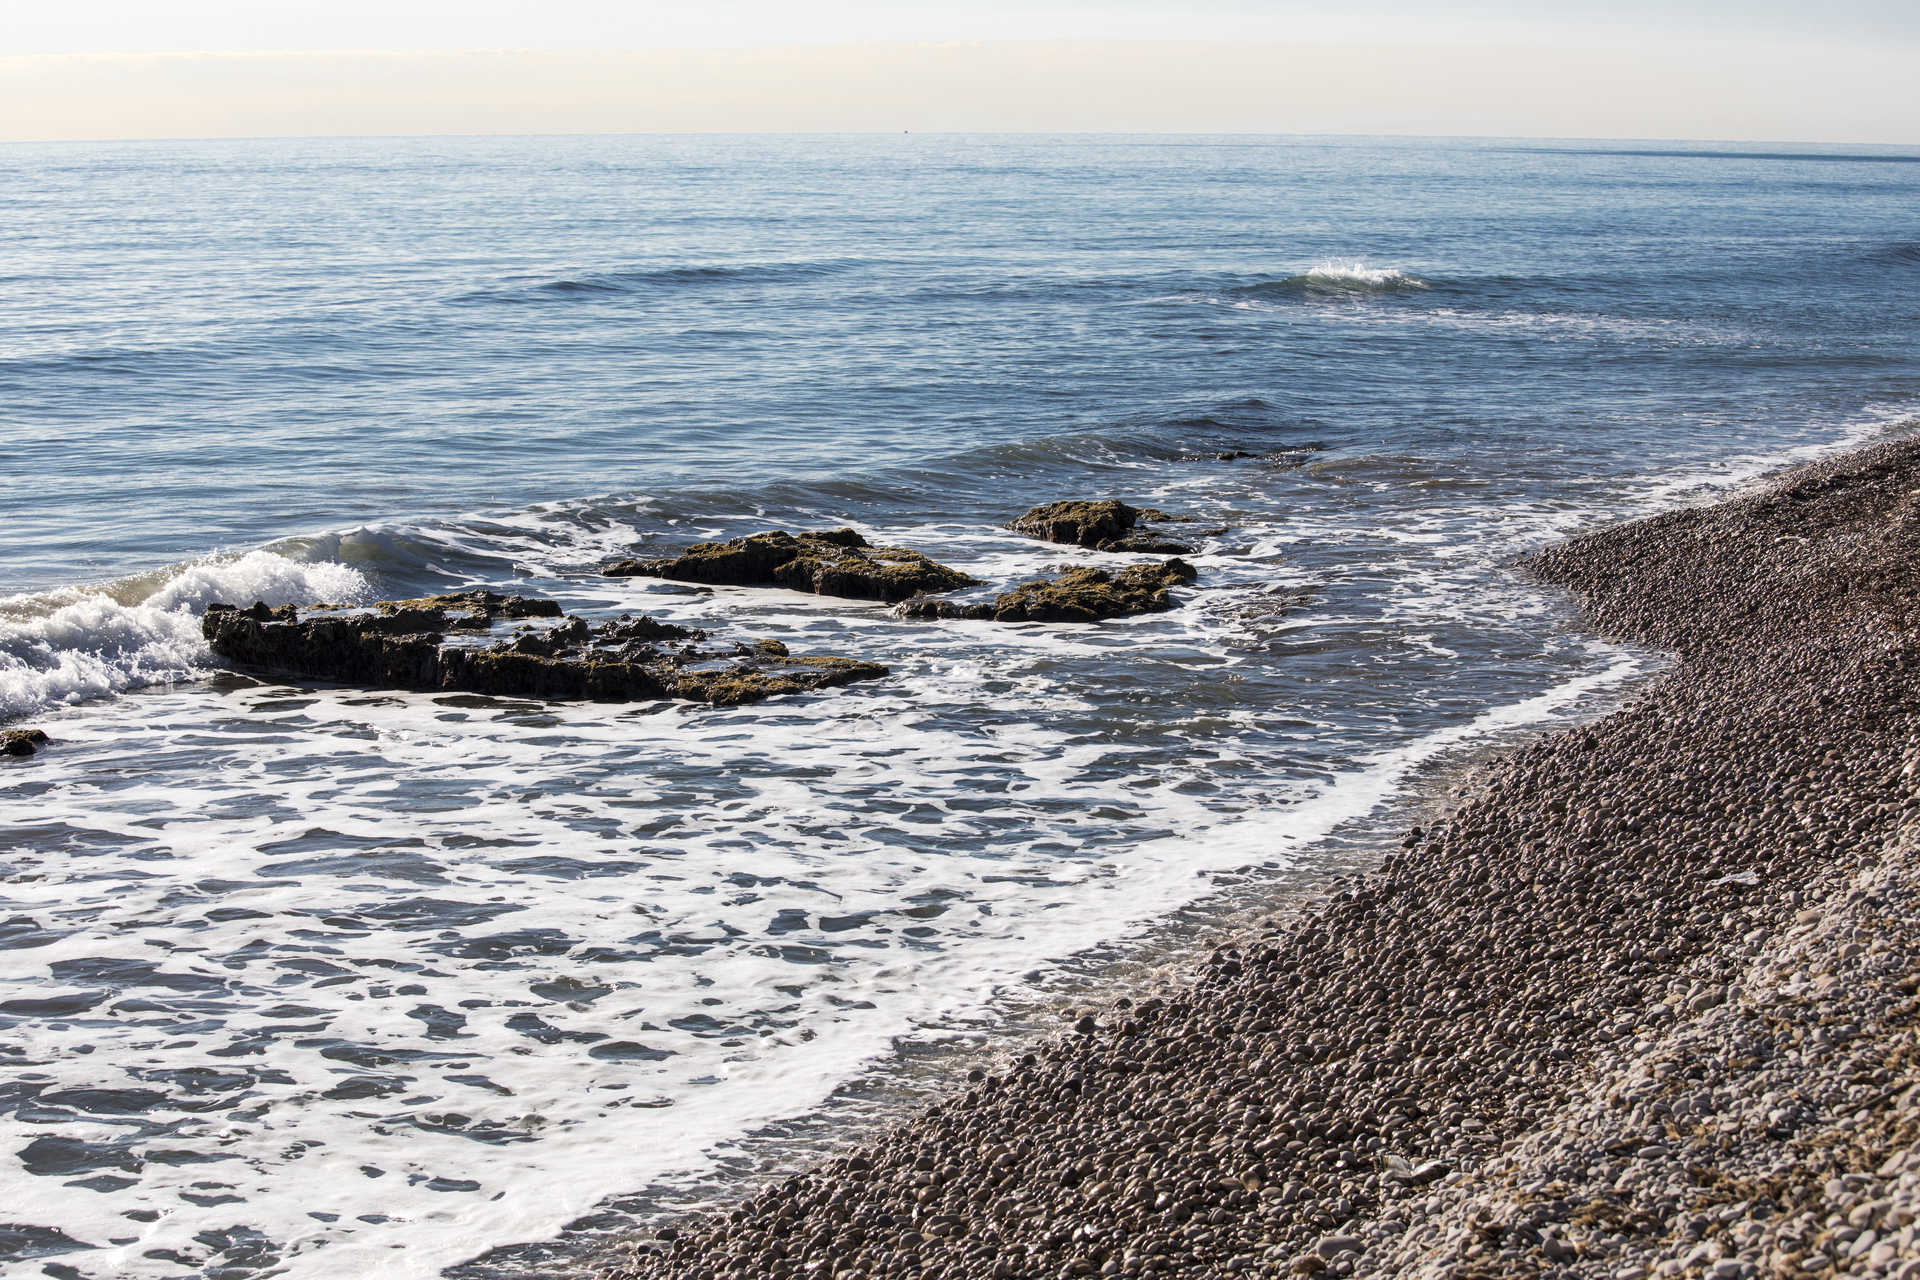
column 832, row 562
column 466, row 610
column 1080, row 594
column 403, row 645
column 1078, row 524
column 1085, row 594
column 1148, row 544
column 21, row 742
column 1106, row 525
column 930, row 608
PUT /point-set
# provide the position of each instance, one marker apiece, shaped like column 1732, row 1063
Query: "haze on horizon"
column 1722, row 69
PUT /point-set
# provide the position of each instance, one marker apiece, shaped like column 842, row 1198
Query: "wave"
column 79, row 643
column 1906, row 253
column 988, row 475
column 1334, row 279
column 605, row 283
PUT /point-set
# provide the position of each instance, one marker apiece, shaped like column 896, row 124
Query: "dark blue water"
column 314, row 981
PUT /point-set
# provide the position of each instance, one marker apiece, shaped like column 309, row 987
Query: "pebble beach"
column 1642, row 1005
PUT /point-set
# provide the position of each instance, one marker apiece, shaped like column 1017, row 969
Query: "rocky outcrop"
column 405, row 644
column 1106, row 525
column 21, row 742
column 1079, row 594
column 833, row 562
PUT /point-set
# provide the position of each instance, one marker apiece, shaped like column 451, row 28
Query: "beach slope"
column 1644, row 1004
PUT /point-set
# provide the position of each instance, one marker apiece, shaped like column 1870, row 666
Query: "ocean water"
column 313, row 981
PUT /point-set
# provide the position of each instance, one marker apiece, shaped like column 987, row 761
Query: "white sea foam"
column 1713, row 480
column 76, row 644
column 1351, row 274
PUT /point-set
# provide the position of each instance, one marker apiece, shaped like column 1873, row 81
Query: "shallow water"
column 304, row 980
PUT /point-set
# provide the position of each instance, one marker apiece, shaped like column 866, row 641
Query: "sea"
column 310, row 981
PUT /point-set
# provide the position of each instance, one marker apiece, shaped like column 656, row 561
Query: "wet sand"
column 1644, row 1004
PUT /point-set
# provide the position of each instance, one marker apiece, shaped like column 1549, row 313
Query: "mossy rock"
column 929, row 608
column 775, row 675
column 22, row 742
column 831, row 562
column 1103, row 525
column 1080, row 594
column 1086, row 594
column 463, row 610
column 1148, row 544
column 628, row 659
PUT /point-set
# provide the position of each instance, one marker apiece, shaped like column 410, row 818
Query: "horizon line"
column 993, row 133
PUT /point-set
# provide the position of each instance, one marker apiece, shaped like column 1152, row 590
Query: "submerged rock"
column 832, row 562
column 1287, row 459
column 21, row 742
column 1080, row 594
column 403, row 644
column 1107, row 525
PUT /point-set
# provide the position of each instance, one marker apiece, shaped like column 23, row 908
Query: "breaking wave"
column 78, row 643
column 1334, row 279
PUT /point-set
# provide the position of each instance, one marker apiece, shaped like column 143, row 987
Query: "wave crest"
column 1335, row 278
column 76, row 644
column 604, row 283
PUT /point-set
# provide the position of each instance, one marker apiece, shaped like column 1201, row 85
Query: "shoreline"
column 1642, row 1005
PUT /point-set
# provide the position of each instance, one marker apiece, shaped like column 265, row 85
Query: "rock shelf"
column 405, row 644
column 1645, row 1005
column 833, row 562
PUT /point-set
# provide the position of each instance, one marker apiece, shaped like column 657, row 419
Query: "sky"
column 1751, row 69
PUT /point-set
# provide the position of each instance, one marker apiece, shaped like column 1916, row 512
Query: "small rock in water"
column 1106, row 525
column 22, row 742
column 831, row 562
